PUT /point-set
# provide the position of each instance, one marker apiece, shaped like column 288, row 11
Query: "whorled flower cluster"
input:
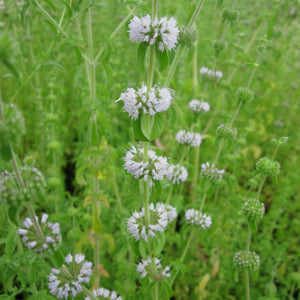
column 210, row 172
column 47, row 238
column 246, row 260
column 226, row 132
column 191, row 138
column 155, row 168
column 68, row 279
column 145, row 265
column 163, row 32
column 253, row 209
column 104, row 293
column 210, row 75
column 160, row 216
column 177, row 174
column 137, row 102
column 193, row 216
column 199, row 106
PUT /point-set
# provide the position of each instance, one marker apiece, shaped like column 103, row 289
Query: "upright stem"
column 247, row 285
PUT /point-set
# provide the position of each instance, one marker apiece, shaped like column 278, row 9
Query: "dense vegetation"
column 63, row 139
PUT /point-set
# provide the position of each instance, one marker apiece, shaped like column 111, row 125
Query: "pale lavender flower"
column 145, row 265
column 210, row 75
column 48, row 237
column 67, row 281
column 211, row 172
column 199, row 106
column 193, row 216
column 177, row 174
column 191, row 138
column 155, row 168
column 104, row 293
column 137, row 102
column 160, row 217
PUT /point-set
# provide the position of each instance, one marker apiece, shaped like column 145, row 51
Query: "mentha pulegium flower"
column 210, row 75
column 47, row 238
column 191, row 138
column 145, row 265
column 68, row 279
column 199, row 106
column 163, row 32
column 155, row 168
column 211, row 172
column 177, row 174
column 104, row 294
column 160, row 217
column 137, row 102
column 193, row 216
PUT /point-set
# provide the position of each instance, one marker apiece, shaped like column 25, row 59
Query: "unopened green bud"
column 219, row 46
column 29, row 161
column 54, row 182
column 244, row 95
column 54, row 145
column 187, row 36
column 268, row 167
column 253, row 209
column 226, row 132
column 230, row 15
column 246, row 260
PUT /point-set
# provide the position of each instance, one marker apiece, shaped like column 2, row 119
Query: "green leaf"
column 235, row 275
column 138, row 134
column 51, row 25
column 5, row 152
column 219, row 3
column 158, row 126
column 10, row 242
column 50, row 3
column 252, row 225
column 67, row 5
column 162, row 59
column 166, row 290
column 23, row 11
column 93, row 131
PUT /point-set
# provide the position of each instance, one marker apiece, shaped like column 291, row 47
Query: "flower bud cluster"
column 187, row 36
column 67, row 281
column 177, row 174
column 199, row 106
column 246, row 260
column 163, row 32
column 219, row 46
column 155, row 168
column 34, row 185
column 191, row 138
column 230, row 15
column 160, row 216
column 210, row 75
column 12, row 126
column 253, row 209
column 137, row 101
column 46, row 237
column 144, row 268
column 268, row 167
column 200, row 219
column 104, row 293
column 226, row 132
column 244, row 95
column 210, row 172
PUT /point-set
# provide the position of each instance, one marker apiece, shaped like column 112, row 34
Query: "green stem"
column 247, row 285
column 16, row 169
column 88, row 293
column 156, row 290
column 195, row 14
column 184, row 253
column 92, row 65
column 51, row 19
